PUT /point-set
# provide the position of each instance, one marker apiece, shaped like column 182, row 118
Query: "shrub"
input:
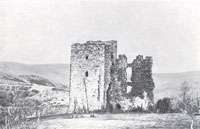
column 35, row 91
column 24, row 88
column 6, row 98
column 163, row 105
column 25, row 94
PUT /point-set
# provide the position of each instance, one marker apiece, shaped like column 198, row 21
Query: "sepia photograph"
column 99, row 64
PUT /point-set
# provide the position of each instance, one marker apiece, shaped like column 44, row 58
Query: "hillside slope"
column 56, row 72
column 168, row 85
column 32, row 89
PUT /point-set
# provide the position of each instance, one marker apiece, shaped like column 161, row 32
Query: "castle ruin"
column 98, row 79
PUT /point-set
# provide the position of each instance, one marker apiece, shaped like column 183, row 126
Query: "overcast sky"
column 41, row 31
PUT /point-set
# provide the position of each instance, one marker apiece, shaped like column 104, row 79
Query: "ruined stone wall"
column 142, row 85
column 117, row 92
column 90, row 74
column 141, row 78
column 110, row 60
column 121, row 72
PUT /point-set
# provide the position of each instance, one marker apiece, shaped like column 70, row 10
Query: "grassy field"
column 123, row 121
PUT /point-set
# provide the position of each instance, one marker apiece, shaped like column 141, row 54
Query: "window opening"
column 86, row 57
column 86, row 74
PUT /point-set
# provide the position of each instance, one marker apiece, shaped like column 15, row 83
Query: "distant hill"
column 167, row 84
column 27, row 80
column 56, row 72
column 34, row 79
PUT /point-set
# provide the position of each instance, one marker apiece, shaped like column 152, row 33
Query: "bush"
column 25, row 94
column 163, row 105
column 24, row 88
column 35, row 91
column 6, row 98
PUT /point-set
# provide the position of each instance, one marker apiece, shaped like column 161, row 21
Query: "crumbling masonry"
column 98, row 79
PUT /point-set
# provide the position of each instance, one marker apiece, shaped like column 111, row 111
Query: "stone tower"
column 90, row 74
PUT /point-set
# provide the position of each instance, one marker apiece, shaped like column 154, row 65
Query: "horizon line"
column 59, row 63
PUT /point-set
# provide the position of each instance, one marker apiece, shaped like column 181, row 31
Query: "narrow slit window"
column 86, row 57
column 111, row 71
column 86, row 74
column 112, row 56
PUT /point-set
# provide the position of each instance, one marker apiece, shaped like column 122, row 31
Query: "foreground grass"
column 123, row 121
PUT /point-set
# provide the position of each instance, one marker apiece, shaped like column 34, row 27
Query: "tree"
column 185, row 92
column 186, row 103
